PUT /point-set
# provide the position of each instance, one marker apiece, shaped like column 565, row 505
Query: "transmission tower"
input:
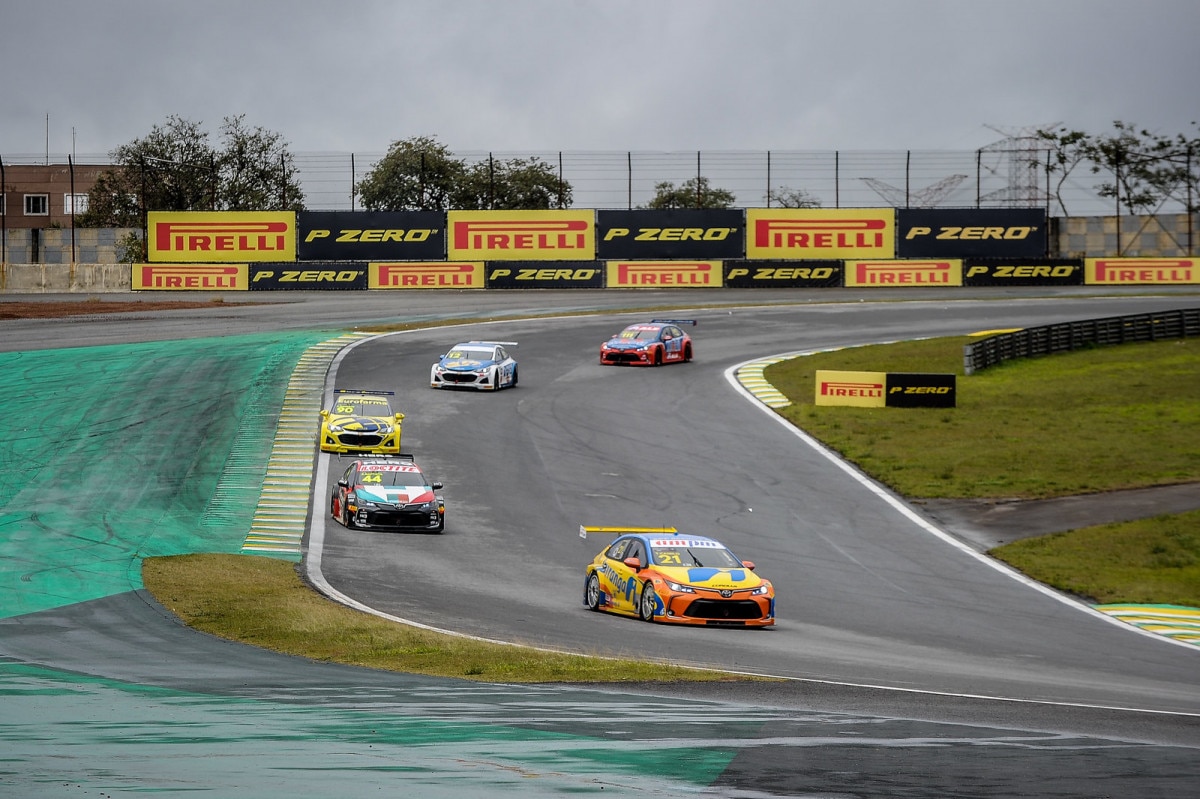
column 1023, row 153
column 927, row 197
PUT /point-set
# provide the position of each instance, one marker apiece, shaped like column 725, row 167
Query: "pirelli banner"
column 800, row 234
column 220, row 236
column 650, row 234
column 545, row 275
column 521, row 235
column 974, row 232
column 371, row 235
column 896, row 274
column 1142, row 271
column 189, row 277
column 885, row 389
column 1023, row 272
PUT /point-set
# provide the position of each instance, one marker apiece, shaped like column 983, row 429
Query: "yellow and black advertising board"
column 220, row 236
column 426, row 275
column 1141, row 271
column 820, row 233
column 977, row 232
column 545, row 275
column 650, row 234
column 915, row 390
column 553, row 235
column 863, row 389
column 782, row 274
column 371, row 235
column 885, row 389
column 190, row 277
column 1023, row 272
column 314, row 276
column 662, row 274
column 900, row 274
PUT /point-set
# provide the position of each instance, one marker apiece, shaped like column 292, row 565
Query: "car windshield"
column 363, row 406
column 391, row 475
column 712, row 557
column 470, row 354
column 639, row 334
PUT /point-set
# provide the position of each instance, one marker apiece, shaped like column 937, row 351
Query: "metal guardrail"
column 1066, row 336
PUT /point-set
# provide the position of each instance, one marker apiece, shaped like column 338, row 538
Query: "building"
column 46, row 195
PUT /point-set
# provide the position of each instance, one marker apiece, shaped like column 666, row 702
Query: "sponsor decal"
column 425, row 275
column 220, row 236
column 190, row 277
column 545, row 275
column 371, row 235
column 1021, row 272
column 308, row 277
column 783, row 274
column 863, row 389
column 904, row 273
column 663, row 274
column 907, row 390
column 648, row 234
column 821, row 233
column 1141, row 271
column 971, row 232
column 522, row 235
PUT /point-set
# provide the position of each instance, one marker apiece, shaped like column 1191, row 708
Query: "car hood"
column 623, row 344
column 394, row 495
column 360, row 424
column 711, row 578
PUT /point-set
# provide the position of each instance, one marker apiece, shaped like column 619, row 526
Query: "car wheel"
column 687, row 354
column 345, row 519
column 591, row 592
column 441, row 528
column 514, row 380
column 658, row 356
column 648, row 602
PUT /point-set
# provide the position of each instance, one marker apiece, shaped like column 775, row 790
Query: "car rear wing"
column 362, row 391
column 494, row 343
column 584, row 530
column 407, row 457
column 691, row 322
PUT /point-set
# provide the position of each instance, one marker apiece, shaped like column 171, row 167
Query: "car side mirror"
column 324, row 414
column 749, row 564
column 633, row 563
column 343, row 484
column 436, row 486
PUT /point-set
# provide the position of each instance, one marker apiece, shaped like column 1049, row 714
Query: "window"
column 3, row 204
column 75, row 203
column 37, row 205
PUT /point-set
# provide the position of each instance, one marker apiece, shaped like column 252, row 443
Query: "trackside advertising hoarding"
column 862, row 389
column 545, row 275
column 1023, row 272
column 649, row 234
column 334, row 276
column 782, row 274
column 521, row 235
column 885, row 389
column 190, row 277
column 1141, row 271
column 220, row 236
column 893, row 274
column 820, row 233
column 662, row 274
column 978, row 232
column 371, row 235
column 427, row 275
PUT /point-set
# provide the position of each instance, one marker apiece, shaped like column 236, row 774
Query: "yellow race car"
column 361, row 421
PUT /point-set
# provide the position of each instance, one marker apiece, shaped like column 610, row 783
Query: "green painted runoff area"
column 112, row 454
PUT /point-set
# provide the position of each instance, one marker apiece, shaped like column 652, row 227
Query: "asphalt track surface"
column 916, row 667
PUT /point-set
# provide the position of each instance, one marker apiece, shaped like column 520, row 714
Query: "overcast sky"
column 607, row 75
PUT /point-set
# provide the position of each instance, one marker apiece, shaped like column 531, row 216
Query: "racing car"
column 483, row 365
column 658, row 575
column 361, row 421
column 387, row 492
column 650, row 343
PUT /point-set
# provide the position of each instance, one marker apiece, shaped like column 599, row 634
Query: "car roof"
column 666, row 539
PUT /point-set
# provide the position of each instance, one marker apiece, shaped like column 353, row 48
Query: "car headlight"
column 762, row 590
column 680, row 588
column 385, row 428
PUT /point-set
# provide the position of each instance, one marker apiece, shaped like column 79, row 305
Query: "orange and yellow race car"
column 656, row 574
column 650, row 343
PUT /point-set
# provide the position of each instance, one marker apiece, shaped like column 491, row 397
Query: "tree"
column 786, row 197
column 692, row 193
column 1068, row 149
column 417, row 174
column 516, row 184
column 175, row 168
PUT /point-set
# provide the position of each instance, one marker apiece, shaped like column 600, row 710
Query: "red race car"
column 650, row 343
column 388, row 493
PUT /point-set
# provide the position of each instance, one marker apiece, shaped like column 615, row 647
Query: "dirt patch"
column 55, row 309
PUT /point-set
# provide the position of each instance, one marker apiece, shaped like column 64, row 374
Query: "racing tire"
column 687, row 354
column 591, row 592
column 658, row 356
column 441, row 528
column 345, row 519
column 513, row 384
column 647, row 603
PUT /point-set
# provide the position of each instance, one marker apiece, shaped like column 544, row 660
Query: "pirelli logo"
column 662, row 274
column 821, row 233
column 946, row 272
column 522, row 235
column 190, row 277
column 1141, row 271
column 426, row 275
column 220, row 237
column 865, row 389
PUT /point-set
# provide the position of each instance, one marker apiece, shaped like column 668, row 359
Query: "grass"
column 1089, row 421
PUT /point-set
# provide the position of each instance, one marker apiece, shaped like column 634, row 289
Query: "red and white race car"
column 650, row 343
column 381, row 492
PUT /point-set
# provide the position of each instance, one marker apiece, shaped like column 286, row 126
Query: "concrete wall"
column 53, row 245
column 1162, row 236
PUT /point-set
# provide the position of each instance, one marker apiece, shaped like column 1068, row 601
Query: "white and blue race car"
column 484, row 365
